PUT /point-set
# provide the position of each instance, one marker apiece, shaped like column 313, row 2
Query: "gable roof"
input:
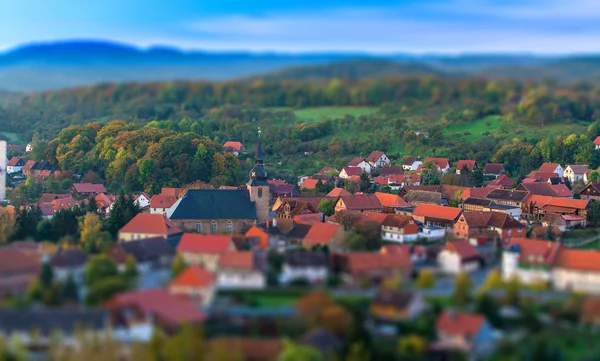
column 171, row 309
column 30, row 163
column 326, row 170
column 310, row 183
column 578, row 168
column 410, row 160
column 68, row 258
column 213, row 204
column 351, row 171
column 548, row 167
column 368, row 261
column 481, row 192
column 204, row 243
column 397, row 220
column 395, row 298
column 89, row 188
column 545, row 201
column 356, row 161
column 391, row 169
column 336, row 192
column 49, row 197
column 146, row 223
column 281, row 188
column 403, row 179
column 462, row 248
column 416, row 196
column 493, row 168
column 561, row 190
column 597, row 140
column 237, row 146
column 194, row 276
column 237, row 260
column 459, row 323
column 507, row 195
column 162, row 201
column 440, row 162
column 320, row 234
column 375, row 155
column 14, row 161
column 503, row 181
column 308, row 218
column 48, row 320
column 535, row 248
column 538, row 188
column 578, row 260
column 542, row 176
column 175, row 192
column 361, row 201
column 305, row 259
column 391, row 200
column 469, row 163
column 14, row 261
column 435, row 211
column 149, row 249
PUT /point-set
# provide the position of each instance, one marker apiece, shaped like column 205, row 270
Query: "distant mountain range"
column 66, row 64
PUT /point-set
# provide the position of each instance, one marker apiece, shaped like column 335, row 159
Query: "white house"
column 348, row 172
column 529, row 260
column 241, row 270
column 142, row 200
column 576, row 172
column 443, row 164
column 459, row 256
column 310, row 266
column 399, row 228
column 15, row 165
column 431, row 232
column 361, row 163
column 552, row 168
column 378, row 159
column 597, row 143
column 29, row 148
column 576, row 270
column 68, row 263
column 411, row 163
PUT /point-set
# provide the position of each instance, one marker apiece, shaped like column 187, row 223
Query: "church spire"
column 259, row 156
column 258, row 174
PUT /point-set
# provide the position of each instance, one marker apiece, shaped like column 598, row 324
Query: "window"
column 198, row 227
column 260, row 192
column 213, row 227
column 244, row 225
column 229, row 226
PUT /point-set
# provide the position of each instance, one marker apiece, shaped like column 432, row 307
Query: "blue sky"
column 425, row 26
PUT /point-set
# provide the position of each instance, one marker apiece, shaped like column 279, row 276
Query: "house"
column 397, row 181
column 150, row 254
column 361, row 163
column 38, row 328
column 507, row 197
column 236, row 148
column 359, row 203
column 536, row 207
column 540, row 177
column 411, row 163
column 279, row 233
column 443, row 164
column 561, row 190
column 311, row 183
column 576, row 172
column 328, row 171
column 15, row 165
column 415, row 197
column 392, row 305
column 552, row 168
column 242, row 270
column 325, row 234
column 590, row 311
column 464, row 331
column 310, row 266
column 26, row 170
column 447, row 191
column 104, row 203
column 175, row 192
column 399, row 228
column 538, row 188
column 138, row 314
column 475, row 204
column 142, row 200
column 324, row 340
column 17, row 270
column 378, row 159
column 597, row 142
column 337, row 192
column 391, row 202
column 590, row 192
column 41, row 170
column 289, row 208
column 68, row 263
column 576, row 271
column 211, row 210
column 503, row 181
column 348, row 172
column 493, row 170
column 459, row 256
column 308, row 218
column 146, row 225
column 359, row 267
column 391, row 169
column 434, row 215
column 470, row 164
column 529, row 260
column 161, row 203
column 284, row 191
column 87, row 189
column 555, row 220
column 204, row 249
column 502, row 223
column 196, row 283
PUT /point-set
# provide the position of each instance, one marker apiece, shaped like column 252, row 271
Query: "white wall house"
column 228, row 279
column 142, row 200
column 314, row 274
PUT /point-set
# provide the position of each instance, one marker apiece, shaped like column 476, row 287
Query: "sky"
column 378, row 26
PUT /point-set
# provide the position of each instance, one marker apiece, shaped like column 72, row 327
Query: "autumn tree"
column 493, row 281
column 92, row 236
column 177, row 266
column 7, row 225
column 310, row 307
column 426, row 279
column 462, row 289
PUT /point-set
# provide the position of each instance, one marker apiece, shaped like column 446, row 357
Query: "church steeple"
column 258, row 174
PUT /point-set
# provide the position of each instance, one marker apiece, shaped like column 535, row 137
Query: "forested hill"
column 356, row 69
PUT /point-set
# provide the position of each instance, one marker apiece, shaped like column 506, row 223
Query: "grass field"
column 11, row 138
column 316, row 114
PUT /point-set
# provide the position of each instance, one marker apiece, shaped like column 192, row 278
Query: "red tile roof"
column 13, row 261
column 548, row 167
column 374, row 156
column 170, row 309
column 543, row 201
column 381, row 180
column 361, row 202
column 204, row 243
column 542, row 176
column 13, row 161
column 308, row 218
column 336, row 192
column 276, row 182
column 89, row 188
column 162, row 201
column 561, row 190
column 404, row 179
column 503, row 181
column 597, row 141
column 462, row 248
column 465, row 162
column 28, row 165
column 350, row 171
column 435, row 211
column 366, row 261
column 493, row 168
column 440, row 162
column 146, row 223
column 194, row 276
column 175, row 192
column 320, row 234
column 356, row 161
column 578, row 260
column 459, row 323
column 532, row 247
column 237, row 146
column 391, row 169
column 104, row 200
column 391, row 200
column 310, row 183
column 237, row 260
column 49, row 197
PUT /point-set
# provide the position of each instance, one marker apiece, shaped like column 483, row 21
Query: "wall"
column 313, row 274
column 239, row 225
column 572, row 280
column 240, row 279
column 3, row 162
column 126, row 236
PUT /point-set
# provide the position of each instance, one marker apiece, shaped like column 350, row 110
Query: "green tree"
column 326, row 207
column 593, row 213
column 70, row 291
column 594, row 176
column 104, row 289
column 487, row 306
column 131, row 272
column 296, row 352
column 178, row 265
column 462, row 289
column 35, row 292
column 98, row 268
column 365, row 183
column 412, row 346
column 426, row 279
column 430, row 174
column 46, row 275
column 492, row 281
column 513, row 287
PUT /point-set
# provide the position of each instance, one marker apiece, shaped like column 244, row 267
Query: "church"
column 225, row 211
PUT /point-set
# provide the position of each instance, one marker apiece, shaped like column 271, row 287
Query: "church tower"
column 258, row 187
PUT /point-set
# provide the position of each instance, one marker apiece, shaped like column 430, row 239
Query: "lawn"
column 316, row 114
column 11, row 137
column 475, row 128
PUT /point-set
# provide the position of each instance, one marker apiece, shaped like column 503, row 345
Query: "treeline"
column 532, row 102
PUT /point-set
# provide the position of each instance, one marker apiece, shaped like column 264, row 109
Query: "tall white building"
column 3, row 162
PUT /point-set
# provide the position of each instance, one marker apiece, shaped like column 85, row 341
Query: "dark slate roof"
column 149, row 249
column 398, row 299
column 46, row 320
column 508, row 195
column 68, row 258
column 478, row 201
column 213, row 204
column 323, row 340
column 306, row 259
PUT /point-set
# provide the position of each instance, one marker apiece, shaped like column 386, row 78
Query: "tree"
column 98, row 268
column 295, row 352
column 52, row 295
column 104, row 289
column 311, row 306
column 371, row 231
column 69, row 290
column 326, row 207
column 346, row 219
column 486, row 305
column 593, row 213
column 393, row 283
column 594, row 176
column 131, row 272
column 512, row 291
column 91, row 229
column 7, row 225
column 335, row 318
column 492, row 281
column 46, row 275
column 178, row 265
column 429, row 173
column 35, row 292
column 364, row 183
column 462, row 289
column 426, row 279
column 412, row 346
